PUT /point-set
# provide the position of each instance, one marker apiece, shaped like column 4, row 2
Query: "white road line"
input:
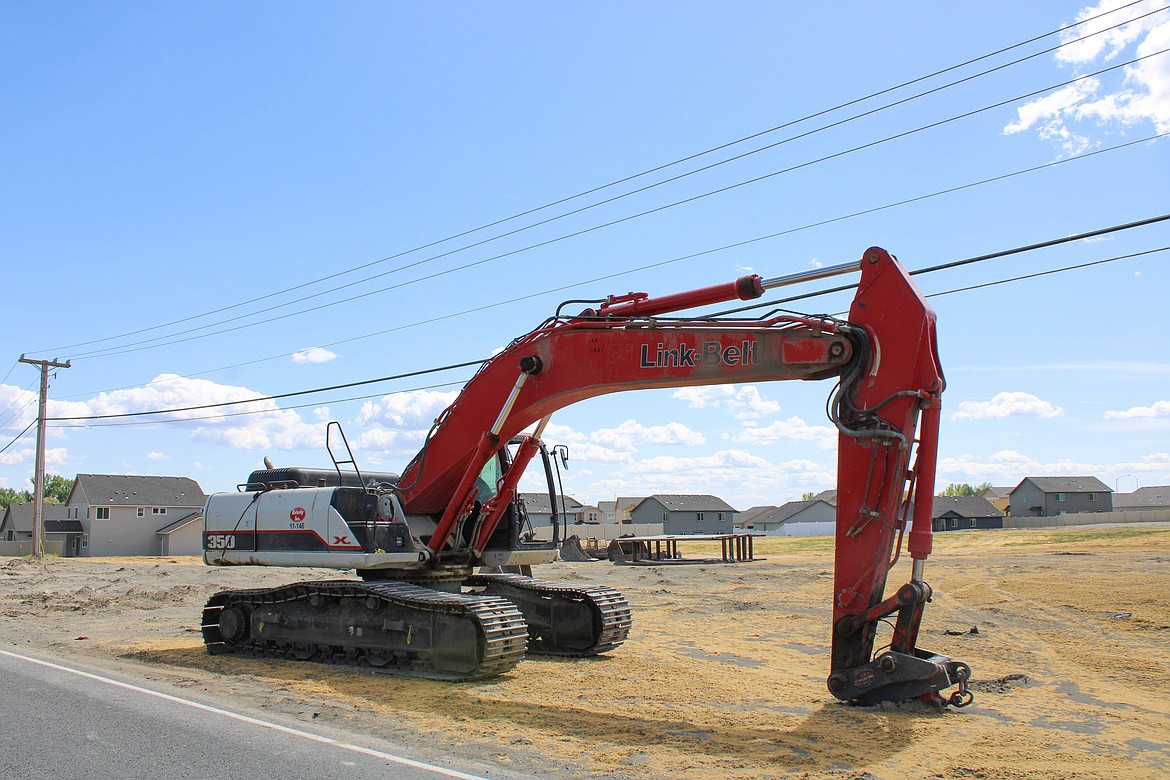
column 254, row 721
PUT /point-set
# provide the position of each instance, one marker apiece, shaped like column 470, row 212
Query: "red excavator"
column 442, row 559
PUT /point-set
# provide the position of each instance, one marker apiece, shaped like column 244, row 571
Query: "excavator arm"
column 886, row 408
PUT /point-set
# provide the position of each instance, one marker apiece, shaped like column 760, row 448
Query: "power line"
column 4, row 421
column 930, row 269
column 1038, row 274
column 19, row 436
column 125, row 349
column 275, row 397
column 1062, row 269
column 959, row 263
column 226, row 415
column 661, row 263
column 610, row 185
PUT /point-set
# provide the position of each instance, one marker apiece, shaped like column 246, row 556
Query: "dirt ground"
column 724, row 673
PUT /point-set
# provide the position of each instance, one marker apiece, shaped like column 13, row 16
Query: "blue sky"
column 165, row 163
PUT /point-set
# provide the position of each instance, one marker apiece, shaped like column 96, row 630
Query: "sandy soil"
column 723, row 675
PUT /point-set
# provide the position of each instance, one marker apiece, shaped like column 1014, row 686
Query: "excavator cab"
column 514, row 542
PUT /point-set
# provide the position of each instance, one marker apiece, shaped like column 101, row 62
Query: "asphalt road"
column 60, row 721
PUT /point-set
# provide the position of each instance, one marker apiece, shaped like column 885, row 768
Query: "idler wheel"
column 233, row 624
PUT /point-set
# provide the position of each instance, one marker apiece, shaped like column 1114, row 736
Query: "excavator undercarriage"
column 412, row 629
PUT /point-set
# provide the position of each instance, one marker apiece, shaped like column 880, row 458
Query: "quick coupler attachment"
column 894, row 676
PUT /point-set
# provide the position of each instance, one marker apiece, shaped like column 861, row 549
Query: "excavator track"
column 395, row 627
column 562, row 620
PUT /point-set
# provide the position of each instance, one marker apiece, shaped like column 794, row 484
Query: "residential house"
column 1154, row 497
column 815, row 517
column 1000, row 497
column 17, row 526
column 124, row 514
column 961, row 513
column 686, row 514
column 540, row 513
column 618, row 510
column 745, row 520
column 1052, row 496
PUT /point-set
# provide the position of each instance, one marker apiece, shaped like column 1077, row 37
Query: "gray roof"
column 691, row 503
column 130, row 490
column 996, row 492
column 1154, row 497
column 754, row 513
column 18, row 517
column 828, row 496
column 1067, row 485
column 538, row 503
column 963, row 506
column 789, row 510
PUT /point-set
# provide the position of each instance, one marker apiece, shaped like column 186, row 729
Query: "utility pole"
column 39, row 479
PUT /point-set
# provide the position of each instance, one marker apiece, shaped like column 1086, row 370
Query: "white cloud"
column 313, row 355
column 321, row 413
column 394, row 426
column 166, row 391
column 157, row 456
column 410, row 409
column 587, row 452
column 630, row 433
column 18, row 408
column 1160, row 409
column 1007, row 405
column 1142, row 94
column 12, row 457
column 276, row 430
column 792, row 429
column 745, row 402
column 265, row 425
column 704, row 397
column 377, row 439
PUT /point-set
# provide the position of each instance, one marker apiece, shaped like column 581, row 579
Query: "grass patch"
column 1081, row 536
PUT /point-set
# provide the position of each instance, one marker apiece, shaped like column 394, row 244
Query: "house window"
column 141, row 512
column 954, row 522
column 610, row 516
column 158, row 510
column 699, row 516
column 1092, row 496
column 85, row 540
column 665, row 516
column 10, row 535
column 1058, row 497
column 102, row 513
column 972, row 522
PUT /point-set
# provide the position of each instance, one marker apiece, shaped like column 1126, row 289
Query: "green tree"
column 10, row 496
column 964, row 489
column 57, row 488
column 809, row 496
